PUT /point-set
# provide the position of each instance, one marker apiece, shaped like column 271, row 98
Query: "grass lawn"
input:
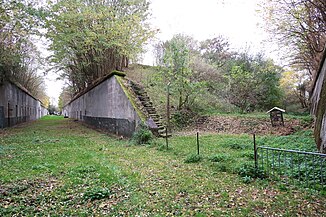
column 55, row 166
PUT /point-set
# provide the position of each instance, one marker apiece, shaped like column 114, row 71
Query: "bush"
column 193, row 158
column 246, row 179
column 183, row 118
column 96, row 194
column 306, row 121
column 219, row 158
column 248, row 170
column 142, row 136
column 248, row 154
column 222, row 167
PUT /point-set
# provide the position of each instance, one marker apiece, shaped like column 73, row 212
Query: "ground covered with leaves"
column 238, row 124
column 56, row 166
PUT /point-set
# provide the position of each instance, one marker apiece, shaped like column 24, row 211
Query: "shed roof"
column 276, row 108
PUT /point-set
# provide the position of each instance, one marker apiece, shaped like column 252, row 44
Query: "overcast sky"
column 236, row 20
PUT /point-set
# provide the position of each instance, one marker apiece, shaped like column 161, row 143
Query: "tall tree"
column 19, row 58
column 90, row 38
column 300, row 27
column 216, row 51
column 175, row 57
column 295, row 87
column 254, row 82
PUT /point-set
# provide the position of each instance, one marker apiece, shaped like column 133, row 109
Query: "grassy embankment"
column 56, row 166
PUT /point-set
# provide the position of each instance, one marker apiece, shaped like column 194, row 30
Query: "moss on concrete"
column 119, row 73
column 131, row 99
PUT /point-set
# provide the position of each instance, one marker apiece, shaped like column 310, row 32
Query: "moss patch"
column 131, row 99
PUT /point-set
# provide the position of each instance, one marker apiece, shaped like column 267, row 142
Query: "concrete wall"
column 319, row 107
column 105, row 106
column 17, row 106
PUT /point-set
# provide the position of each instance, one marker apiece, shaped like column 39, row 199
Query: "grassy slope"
column 55, row 166
column 206, row 104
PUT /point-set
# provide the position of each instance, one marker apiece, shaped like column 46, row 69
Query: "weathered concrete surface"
column 106, row 105
column 319, row 107
column 17, row 105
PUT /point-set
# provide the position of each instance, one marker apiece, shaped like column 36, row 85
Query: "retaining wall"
column 107, row 106
column 17, row 105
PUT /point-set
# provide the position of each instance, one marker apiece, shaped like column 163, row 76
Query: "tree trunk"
column 318, row 101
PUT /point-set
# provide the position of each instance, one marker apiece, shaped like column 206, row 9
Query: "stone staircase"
column 147, row 107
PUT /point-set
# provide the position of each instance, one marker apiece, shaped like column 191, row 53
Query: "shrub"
column 248, row 154
column 222, row 167
column 142, row 136
column 161, row 147
column 96, row 194
column 193, row 158
column 246, row 179
column 306, row 121
column 248, row 170
column 183, row 118
column 219, row 157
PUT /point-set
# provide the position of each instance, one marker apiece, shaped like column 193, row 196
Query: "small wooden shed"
column 276, row 115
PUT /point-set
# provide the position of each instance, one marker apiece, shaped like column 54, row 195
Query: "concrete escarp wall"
column 105, row 106
column 319, row 108
column 17, row 106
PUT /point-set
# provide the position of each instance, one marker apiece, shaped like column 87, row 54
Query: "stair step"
column 143, row 97
column 157, row 121
column 142, row 93
column 139, row 90
column 135, row 88
column 162, row 130
column 151, row 112
column 164, row 135
column 147, row 103
column 149, row 107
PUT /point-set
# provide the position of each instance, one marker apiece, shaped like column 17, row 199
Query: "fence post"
column 255, row 151
column 166, row 138
column 197, row 143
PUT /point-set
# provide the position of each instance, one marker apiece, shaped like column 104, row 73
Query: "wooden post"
column 197, row 143
column 255, row 151
column 166, row 138
column 168, row 108
column 167, row 128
